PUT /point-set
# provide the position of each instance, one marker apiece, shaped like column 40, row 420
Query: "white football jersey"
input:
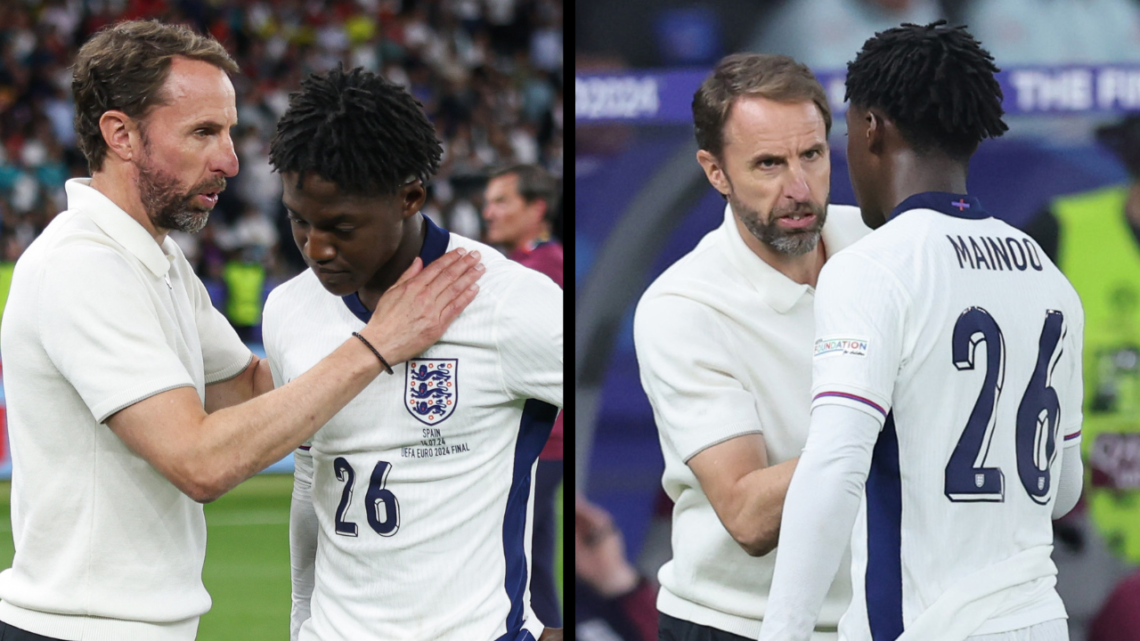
column 957, row 330
column 422, row 484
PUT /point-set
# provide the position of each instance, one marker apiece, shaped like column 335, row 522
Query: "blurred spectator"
column 253, row 229
column 1119, row 619
column 520, row 203
column 826, row 34
column 244, row 277
column 11, row 251
column 1094, row 238
column 489, row 73
column 1026, row 32
column 612, row 601
column 250, row 243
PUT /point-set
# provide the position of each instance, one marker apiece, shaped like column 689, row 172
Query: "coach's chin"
column 551, row 634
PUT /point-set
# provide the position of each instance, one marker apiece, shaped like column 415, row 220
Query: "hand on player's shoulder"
column 418, row 308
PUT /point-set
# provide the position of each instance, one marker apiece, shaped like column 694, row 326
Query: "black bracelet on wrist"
column 369, row 345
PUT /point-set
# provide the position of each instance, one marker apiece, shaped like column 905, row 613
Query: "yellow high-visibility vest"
column 1099, row 254
column 244, row 282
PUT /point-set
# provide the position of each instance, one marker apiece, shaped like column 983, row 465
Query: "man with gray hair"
column 130, row 398
column 724, row 338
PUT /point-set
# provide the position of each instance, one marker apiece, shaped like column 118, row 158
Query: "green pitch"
column 247, row 559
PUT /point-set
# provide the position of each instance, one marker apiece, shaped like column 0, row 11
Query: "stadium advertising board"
column 663, row 97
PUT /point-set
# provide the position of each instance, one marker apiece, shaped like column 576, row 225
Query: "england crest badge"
column 431, row 391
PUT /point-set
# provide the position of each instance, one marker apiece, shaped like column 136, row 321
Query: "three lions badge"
column 430, row 391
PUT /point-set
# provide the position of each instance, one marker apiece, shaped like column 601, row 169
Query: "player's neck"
column 910, row 174
column 410, row 246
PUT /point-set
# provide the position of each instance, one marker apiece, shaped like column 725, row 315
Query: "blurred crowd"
column 825, row 34
column 488, row 72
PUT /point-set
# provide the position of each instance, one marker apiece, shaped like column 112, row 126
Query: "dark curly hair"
column 123, row 67
column 935, row 82
column 356, row 130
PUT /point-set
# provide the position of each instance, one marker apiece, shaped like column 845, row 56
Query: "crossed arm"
column 746, row 493
column 254, row 381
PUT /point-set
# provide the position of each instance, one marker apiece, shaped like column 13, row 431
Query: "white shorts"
column 1055, row 630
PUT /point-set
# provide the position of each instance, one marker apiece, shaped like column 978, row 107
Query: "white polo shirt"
column 101, row 317
column 724, row 342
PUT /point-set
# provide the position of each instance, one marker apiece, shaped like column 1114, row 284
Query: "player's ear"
column 412, row 195
column 714, row 171
column 117, row 129
column 876, row 130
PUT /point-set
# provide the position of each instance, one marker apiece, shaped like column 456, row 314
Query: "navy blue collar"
column 956, row 205
column 435, row 245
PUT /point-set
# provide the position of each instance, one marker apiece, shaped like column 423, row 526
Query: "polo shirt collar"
column 956, row 205
column 777, row 290
column 117, row 224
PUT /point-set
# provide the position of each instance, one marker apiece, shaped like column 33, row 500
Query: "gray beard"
column 790, row 243
column 165, row 204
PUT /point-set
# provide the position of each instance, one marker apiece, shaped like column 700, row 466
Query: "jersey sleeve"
column 819, row 513
column 1072, row 415
column 302, row 541
column 224, row 355
column 1071, row 478
column 271, row 338
column 102, row 332
column 528, row 330
column 694, row 378
column 860, row 310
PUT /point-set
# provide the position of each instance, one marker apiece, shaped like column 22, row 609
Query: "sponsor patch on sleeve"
column 841, row 346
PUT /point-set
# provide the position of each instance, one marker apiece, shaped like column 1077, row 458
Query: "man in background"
column 612, row 600
column 1094, row 237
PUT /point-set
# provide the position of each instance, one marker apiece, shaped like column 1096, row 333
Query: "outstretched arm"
column 205, row 455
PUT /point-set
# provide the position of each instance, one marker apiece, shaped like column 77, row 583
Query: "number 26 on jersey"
column 1038, row 413
column 380, row 504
